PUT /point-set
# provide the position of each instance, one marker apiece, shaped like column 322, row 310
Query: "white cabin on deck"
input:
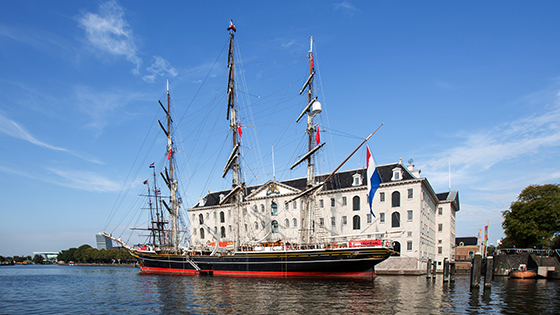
column 420, row 222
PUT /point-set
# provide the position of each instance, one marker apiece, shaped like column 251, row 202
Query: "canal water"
column 122, row 290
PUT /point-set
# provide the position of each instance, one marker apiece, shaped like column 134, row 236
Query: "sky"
column 469, row 91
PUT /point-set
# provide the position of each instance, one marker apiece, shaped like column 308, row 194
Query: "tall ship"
column 268, row 230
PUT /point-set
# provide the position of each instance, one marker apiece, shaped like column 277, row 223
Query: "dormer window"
column 357, row 180
column 221, row 197
column 396, row 174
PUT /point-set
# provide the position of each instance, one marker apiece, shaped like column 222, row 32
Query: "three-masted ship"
column 308, row 256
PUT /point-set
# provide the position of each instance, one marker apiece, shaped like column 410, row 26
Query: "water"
column 113, row 290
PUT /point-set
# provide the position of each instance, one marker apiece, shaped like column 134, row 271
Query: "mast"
column 235, row 126
column 169, row 178
column 307, row 222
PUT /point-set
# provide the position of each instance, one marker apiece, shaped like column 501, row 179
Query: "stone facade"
column 419, row 223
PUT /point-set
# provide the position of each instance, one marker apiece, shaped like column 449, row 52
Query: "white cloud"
column 84, row 180
column 13, row 129
column 110, row 32
column 159, row 67
column 346, row 7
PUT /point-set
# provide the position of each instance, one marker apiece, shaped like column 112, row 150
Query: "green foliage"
column 88, row 254
column 38, row 259
column 535, row 214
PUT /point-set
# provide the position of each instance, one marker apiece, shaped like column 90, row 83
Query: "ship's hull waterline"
column 346, row 263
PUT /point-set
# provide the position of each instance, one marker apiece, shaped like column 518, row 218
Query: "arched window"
column 201, row 219
column 294, row 221
column 262, row 208
column 356, row 222
column 396, row 219
column 274, row 207
column 222, row 217
column 287, row 223
column 256, row 226
column 202, row 233
column 356, row 203
column 396, row 199
column 274, row 226
column 223, row 231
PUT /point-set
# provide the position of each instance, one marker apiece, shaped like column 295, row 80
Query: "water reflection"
column 123, row 290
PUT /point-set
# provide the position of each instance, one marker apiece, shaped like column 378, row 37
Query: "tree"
column 535, row 214
column 38, row 259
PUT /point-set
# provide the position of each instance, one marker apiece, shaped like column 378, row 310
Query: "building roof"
column 466, row 241
column 338, row 181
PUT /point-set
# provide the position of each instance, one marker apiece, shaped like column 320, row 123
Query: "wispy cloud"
column 110, row 32
column 39, row 39
column 481, row 150
column 346, row 7
column 14, row 129
column 159, row 67
column 99, row 105
column 84, row 180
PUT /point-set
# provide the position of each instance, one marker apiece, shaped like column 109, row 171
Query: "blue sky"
column 468, row 87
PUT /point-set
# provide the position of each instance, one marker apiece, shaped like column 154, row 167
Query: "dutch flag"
column 373, row 179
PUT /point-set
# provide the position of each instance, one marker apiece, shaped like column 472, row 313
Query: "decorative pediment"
column 271, row 189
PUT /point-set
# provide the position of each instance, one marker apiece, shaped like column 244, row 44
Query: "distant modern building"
column 103, row 242
column 47, row 256
column 419, row 222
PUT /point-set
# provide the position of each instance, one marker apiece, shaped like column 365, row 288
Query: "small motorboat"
column 523, row 273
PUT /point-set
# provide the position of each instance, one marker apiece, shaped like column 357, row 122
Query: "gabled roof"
column 467, row 241
column 338, row 181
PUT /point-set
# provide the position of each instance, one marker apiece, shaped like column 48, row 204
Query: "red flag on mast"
column 317, row 137
column 239, row 131
column 231, row 26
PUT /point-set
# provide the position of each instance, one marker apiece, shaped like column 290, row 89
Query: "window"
column 333, row 202
column 344, row 220
column 440, row 250
column 356, row 203
column 409, row 245
column 262, row 208
column 215, row 230
column 255, row 209
column 409, row 215
column 295, row 204
column 262, row 224
column 322, row 222
column 201, row 233
column 223, row 231
column 274, row 207
column 357, row 180
column 439, row 242
column 274, row 226
column 344, row 202
column 369, row 218
column 440, row 211
column 409, row 234
column 382, row 217
column 246, row 228
column 396, row 199
column 396, row 174
column 294, row 221
column 229, row 228
column 320, row 203
column 333, row 221
column 222, row 217
column 356, row 222
column 396, row 219
column 214, row 215
column 381, row 197
column 286, row 206
column 287, row 223
column 256, row 226
column 201, row 219
column 410, row 193
column 440, row 227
